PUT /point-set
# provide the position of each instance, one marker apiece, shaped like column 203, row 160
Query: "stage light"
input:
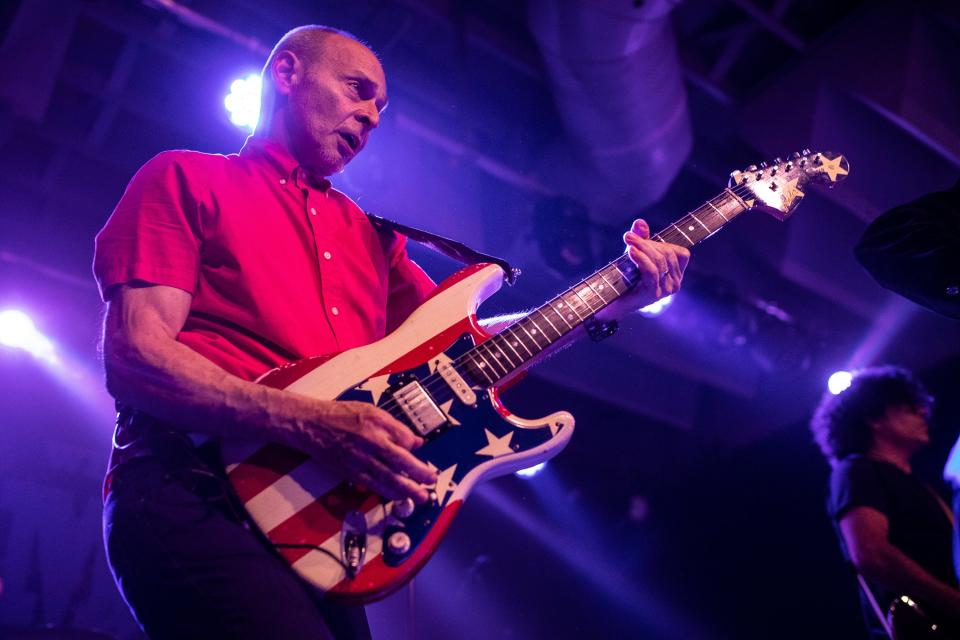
column 530, row 472
column 18, row 331
column 654, row 309
column 839, row 381
column 243, row 102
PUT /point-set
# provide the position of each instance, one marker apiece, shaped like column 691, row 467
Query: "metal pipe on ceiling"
column 618, row 85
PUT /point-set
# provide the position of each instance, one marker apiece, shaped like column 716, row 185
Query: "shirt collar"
column 282, row 161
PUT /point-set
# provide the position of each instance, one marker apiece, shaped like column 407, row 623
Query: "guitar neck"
column 541, row 329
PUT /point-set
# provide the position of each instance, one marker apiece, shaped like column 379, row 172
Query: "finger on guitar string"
column 359, row 438
column 670, row 260
column 649, row 271
column 683, row 257
column 673, row 275
column 677, row 258
column 377, row 477
column 641, row 228
column 398, row 432
column 389, row 441
column 405, row 462
column 655, row 251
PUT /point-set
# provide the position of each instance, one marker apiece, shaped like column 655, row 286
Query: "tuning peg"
column 752, row 167
column 778, row 160
column 806, row 152
column 795, row 156
column 763, row 165
column 738, row 178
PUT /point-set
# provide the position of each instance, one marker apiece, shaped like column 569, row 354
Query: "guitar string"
column 430, row 383
column 434, row 382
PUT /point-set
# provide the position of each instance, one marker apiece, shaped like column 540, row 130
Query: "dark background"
column 690, row 502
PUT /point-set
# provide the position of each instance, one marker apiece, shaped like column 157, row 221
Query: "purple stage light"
column 530, row 472
column 839, row 381
column 18, row 331
column 654, row 309
column 243, row 101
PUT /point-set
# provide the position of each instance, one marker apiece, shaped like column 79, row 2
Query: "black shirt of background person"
column 919, row 525
column 914, row 250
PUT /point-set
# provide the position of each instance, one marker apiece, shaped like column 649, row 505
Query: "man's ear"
column 286, row 71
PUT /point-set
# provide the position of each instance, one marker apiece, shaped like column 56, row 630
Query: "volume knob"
column 403, row 508
column 398, row 542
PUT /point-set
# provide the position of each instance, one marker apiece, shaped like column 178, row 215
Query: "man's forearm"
column 173, row 383
column 897, row 572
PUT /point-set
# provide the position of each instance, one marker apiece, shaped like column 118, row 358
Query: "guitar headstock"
column 778, row 188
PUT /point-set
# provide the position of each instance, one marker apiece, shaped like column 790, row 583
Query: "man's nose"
column 369, row 115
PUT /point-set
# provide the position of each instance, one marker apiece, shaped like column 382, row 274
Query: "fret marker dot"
column 533, row 332
column 690, row 228
column 600, row 287
column 569, row 316
column 482, row 364
column 514, row 343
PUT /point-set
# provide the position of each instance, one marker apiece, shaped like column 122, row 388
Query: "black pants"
column 189, row 566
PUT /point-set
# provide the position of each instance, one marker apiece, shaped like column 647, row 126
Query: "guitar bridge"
column 419, row 407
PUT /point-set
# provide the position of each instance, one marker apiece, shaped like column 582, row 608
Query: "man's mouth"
column 352, row 140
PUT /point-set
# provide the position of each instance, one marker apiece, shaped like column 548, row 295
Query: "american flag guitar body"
column 438, row 373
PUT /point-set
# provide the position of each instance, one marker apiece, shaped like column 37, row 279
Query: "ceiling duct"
column 618, row 86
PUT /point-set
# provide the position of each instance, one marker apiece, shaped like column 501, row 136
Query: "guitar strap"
column 875, row 605
column 450, row 248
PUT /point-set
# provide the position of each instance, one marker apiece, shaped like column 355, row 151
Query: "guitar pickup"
column 420, row 409
column 456, row 382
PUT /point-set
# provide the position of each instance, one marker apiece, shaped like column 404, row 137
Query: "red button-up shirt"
column 280, row 266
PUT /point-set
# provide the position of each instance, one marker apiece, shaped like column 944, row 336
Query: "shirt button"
column 952, row 290
column 283, row 181
column 326, row 254
column 313, row 211
column 335, row 311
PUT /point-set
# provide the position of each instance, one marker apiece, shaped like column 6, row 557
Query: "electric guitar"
column 439, row 373
column 908, row 621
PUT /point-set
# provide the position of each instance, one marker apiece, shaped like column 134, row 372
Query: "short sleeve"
column 153, row 235
column 409, row 285
column 856, row 483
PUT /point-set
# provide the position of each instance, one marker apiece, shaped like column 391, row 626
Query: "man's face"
column 335, row 105
column 906, row 425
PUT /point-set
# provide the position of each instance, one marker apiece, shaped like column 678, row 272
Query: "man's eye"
column 353, row 84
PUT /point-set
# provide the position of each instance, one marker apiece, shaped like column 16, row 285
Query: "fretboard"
column 535, row 333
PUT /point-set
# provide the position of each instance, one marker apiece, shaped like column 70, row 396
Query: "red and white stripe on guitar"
column 304, row 510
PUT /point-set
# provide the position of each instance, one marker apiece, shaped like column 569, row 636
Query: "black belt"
column 139, row 436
